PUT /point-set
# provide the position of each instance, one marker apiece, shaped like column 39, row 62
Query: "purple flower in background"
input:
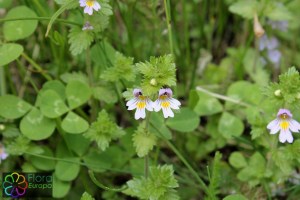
column 87, row 26
column 279, row 25
column 3, row 154
column 274, row 56
column 285, row 124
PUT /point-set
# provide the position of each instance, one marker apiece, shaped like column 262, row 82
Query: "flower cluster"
column 89, row 5
column 284, row 123
column 271, row 45
column 165, row 102
column 3, row 154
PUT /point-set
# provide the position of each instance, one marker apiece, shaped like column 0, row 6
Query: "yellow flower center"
column 284, row 125
column 163, row 97
column 141, row 104
column 90, row 3
column 165, row 104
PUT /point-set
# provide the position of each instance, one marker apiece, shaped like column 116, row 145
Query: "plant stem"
column 41, row 19
column 37, row 67
column 93, row 178
column 168, row 18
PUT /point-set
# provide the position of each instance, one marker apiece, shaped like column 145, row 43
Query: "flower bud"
column 258, row 29
column 277, row 93
column 298, row 96
column 153, row 82
column 2, row 127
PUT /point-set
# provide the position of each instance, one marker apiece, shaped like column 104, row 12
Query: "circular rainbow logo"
column 15, row 185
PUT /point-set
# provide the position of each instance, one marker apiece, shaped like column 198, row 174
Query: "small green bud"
column 277, row 93
column 153, row 82
column 298, row 96
column 2, row 127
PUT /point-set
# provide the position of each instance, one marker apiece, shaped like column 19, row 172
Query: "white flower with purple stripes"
column 90, row 5
column 140, row 103
column 285, row 124
column 166, row 102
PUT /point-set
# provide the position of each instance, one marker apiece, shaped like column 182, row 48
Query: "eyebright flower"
column 285, row 124
column 140, row 103
column 87, row 26
column 166, row 102
column 3, row 154
column 89, row 6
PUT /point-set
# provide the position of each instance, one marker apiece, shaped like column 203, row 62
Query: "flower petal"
column 96, row 6
column 156, row 105
column 140, row 113
column 272, row 124
column 88, row 10
column 82, row 3
column 294, row 125
column 286, row 135
column 149, row 105
column 174, row 103
column 167, row 112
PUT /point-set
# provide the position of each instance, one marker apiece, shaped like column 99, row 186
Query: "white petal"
column 96, row 6
column 88, row 10
column 294, row 125
column 174, row 103
column 171, row 114
column 140, row 113
column 157, row 105
column 149, row 105
column 167, row 112
column 82, row 3
column 275, row 129
column 3, row 156
column 285, row 135
column 273, row 124
column 131, row 101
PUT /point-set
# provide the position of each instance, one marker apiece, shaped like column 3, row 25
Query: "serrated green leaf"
column 184, row 121
column 122, row 69
column 203, row 104
column 77, row 93
column 104, row 130
column 66, row 171
column 36, row 126
column 74, row 124
column 105, row 94
column 143, row 141
column 86, row 196
column 15, row 30
column 79, row 40
column 19, row 146
column 13, row 107
column 9, row 52
column 237, row 160
column 230, row 126
column 52, row 105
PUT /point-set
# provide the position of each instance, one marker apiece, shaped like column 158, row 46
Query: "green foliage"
column 36, row 126
column 103, row 131
column 185, row 121
column 9, row 52
column 15, row 30
column 235, row 197
column 245, row 8
column 86, row 196
column 237, row 160
column 158, row 126
column 67, row 171
column 19, row 146
column 230, row 125
column 289, row 87
column 75, row 124
column 215, row 178
column 158, row 72
column 204, row 104
column 159, row 185
column 12, row 107
column 77, row 93
column 122, row 69
column 60, row 188
column 79, row 40
column 143, row 141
